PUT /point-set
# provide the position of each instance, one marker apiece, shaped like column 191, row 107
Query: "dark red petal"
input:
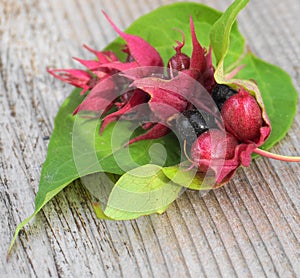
column 146, row 126
column 143, row 72
column 264, row 134
column 120, row 66
column 243, row 156
column 224, row 169
column 90, row 64
column 143, row 53
column 95, row 66
column 137, row 98
column 102, row 74
column 103, row 56
column 101, row 97
column 157, row 131
column 181, row 85
column 165, row 104
column 69, row 75
column 198, row 54
column 75, row 77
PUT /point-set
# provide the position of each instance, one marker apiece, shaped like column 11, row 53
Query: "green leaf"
column 221, row 30
column 141, row 191
column 189, row 179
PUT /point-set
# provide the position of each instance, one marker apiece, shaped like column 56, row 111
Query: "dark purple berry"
column 221, row 93
column 191, row 123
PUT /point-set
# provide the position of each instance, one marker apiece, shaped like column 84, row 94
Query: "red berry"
column 179, row 61
column 242, row 116
column 213, row 145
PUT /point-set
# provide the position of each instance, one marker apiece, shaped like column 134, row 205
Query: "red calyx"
column 242, row 116
column 212, row 148
column 179, row 61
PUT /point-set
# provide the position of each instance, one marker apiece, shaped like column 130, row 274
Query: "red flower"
column 143, row 64
column 141, row 90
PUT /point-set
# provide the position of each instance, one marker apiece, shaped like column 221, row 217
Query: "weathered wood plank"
column 249, row 228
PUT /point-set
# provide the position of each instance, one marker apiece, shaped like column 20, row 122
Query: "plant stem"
column 277, row 156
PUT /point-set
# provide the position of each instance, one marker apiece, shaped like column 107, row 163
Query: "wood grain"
column 249, row 228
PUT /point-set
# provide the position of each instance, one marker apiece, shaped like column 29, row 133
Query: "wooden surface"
column 249, row 228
